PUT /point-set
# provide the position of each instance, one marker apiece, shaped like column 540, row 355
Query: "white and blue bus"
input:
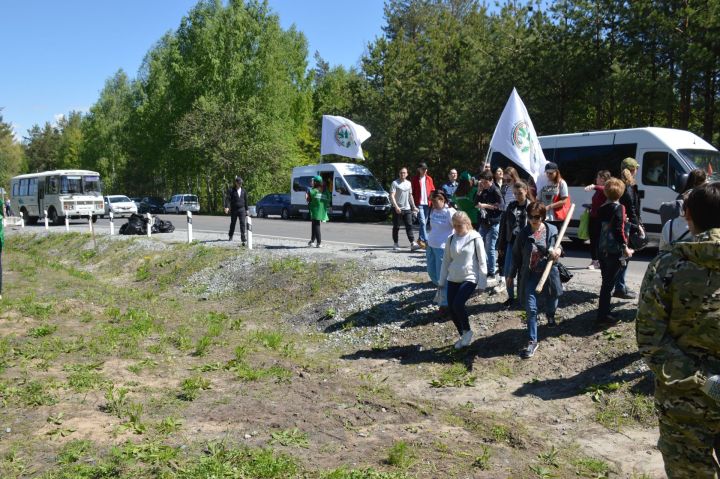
column 71, row 193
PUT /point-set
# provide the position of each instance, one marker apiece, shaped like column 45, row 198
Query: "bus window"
column 655, row 168
column 15, row 188
column 676, row 172
column 32, row 187
column 23, row 187
column 71, row 184
column 51, row 185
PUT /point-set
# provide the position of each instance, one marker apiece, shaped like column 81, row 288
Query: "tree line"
column 230, row 92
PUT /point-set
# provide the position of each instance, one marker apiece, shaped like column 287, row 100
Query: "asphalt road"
column 346, row 234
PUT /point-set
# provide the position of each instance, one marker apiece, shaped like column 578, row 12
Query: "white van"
column 665, row 156
column 355, row 191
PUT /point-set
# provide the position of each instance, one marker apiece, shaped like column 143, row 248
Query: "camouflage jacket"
column 678, row 318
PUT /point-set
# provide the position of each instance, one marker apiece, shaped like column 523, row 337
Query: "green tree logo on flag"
column 521, row 136
column 344, row 136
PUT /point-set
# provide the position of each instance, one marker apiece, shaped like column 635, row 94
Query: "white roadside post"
column 249, row 232
column 67, row 223
column 22, row 220
column 112, row 224
column 149, row 224
column 189, row 226
column 46, row 220
column 90, row 225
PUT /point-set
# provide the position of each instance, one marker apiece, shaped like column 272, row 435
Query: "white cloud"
column 16, row 131
column 58, row 117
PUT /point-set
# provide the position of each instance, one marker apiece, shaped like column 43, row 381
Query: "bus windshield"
column 92, row 185
column 708, row 160
column 363, row 182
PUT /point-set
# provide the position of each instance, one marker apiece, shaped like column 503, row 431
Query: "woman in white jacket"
column 463, row 269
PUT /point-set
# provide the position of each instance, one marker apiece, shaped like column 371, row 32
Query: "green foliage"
column 345, row 473
column 456, row 375
column 43, row 330
column 222, row 461
column 482, row 461
column 591, row 468
column 291, row 438
column 191, row 387
column 401, row 455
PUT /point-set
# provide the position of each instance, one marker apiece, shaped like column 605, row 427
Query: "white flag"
column 341, row 136
column 515, row 137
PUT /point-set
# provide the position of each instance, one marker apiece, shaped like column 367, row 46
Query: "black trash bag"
column 162, row 226
column 136, row 225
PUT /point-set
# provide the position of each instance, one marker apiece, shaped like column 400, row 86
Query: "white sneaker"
column 396, row 247
column 414, row 246
column 318, row 245
column 310, row 243
column 465, row 340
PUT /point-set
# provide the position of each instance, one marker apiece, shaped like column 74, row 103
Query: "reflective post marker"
column 67, row 223
column 189, row 226
column 149, row 224
column 22, row 220
column 249, row 232
column 46, row 220
column 112, row 224
column 90, row 225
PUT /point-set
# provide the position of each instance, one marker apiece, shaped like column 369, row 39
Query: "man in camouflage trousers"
column 678, row 333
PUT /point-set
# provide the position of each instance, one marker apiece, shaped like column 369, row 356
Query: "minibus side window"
column 676, row 172
column 302, row 183
column 340, row 187
column 655, row 168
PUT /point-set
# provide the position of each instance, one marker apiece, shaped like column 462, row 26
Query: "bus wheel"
column 53, row 216
column 94, row 218
column 348, row 213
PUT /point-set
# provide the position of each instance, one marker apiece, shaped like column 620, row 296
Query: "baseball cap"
column 550, row 166
column 465, row 176
column 317, row 178
column 238, row 179
column 422, row 165
column 629, row 162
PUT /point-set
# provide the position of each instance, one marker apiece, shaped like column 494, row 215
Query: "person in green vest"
column 464, row 197
column 319, row 200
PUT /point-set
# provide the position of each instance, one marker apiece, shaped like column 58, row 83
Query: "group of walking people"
column 498, row 230
column 485, row 232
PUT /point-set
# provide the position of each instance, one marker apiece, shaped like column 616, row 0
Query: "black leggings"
column 240, row 216
column 595, row 227
column 315, row 231
column 406, row 217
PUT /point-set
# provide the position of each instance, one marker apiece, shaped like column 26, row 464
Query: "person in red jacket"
column 422, row 186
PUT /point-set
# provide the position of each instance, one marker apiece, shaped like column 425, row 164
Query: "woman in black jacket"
column 631, row 201
column 534, row 246
column 513, row 220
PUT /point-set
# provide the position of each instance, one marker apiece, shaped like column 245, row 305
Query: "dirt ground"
column 339, row 365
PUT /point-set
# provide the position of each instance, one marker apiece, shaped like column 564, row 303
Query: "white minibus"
column 72, row 193
column 665, row 156
column 355, row 191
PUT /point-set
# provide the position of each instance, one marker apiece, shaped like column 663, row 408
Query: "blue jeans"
column 620, row 281
column 458, row 294
column 531, row 304
column 507, row 266
column 489, row 233
column 434, row 257
column 423, row 212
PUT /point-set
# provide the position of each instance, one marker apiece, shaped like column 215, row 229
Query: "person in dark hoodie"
column 514, row 219
column 236, row 204
column 631, row 201
column 677, row 329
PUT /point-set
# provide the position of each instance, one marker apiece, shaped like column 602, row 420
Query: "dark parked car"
column 275, row 204
column 152, row 204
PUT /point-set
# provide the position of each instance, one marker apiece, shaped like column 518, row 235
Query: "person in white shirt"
column 464, row 268
column 439, row 228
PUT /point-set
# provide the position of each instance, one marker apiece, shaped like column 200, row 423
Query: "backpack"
column 607, row 244
column 669, row 210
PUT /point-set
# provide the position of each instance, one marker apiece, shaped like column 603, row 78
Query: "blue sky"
column 58, row 54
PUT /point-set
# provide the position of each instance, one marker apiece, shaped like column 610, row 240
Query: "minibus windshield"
column 708, row 160
column 363, row 182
